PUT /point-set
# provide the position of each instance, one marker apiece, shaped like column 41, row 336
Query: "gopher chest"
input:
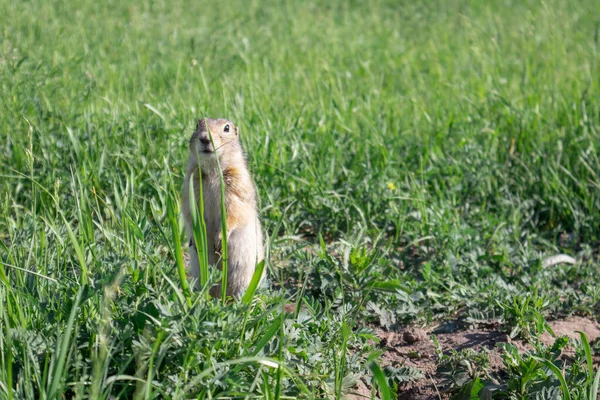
column 212, row 207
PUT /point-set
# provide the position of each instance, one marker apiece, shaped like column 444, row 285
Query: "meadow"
column 416, row 163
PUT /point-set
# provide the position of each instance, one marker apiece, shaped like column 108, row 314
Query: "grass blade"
column 199, row 227
column 258, row 271
column 559, row 375
column 381, row 380
column 594, row 394
column 267, row 336
column 265, row 361
column 3, row 277
column 224, row 257
column 173, row 216
column 155, row 347
column 266, row 386
column 280, row 353
column 63, row 348
column 6, row 346
column 588, row 356
column 78, row 251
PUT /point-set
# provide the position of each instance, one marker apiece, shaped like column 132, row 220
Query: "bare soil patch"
column 414, row 347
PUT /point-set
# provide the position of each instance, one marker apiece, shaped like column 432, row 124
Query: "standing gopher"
column 244, row 233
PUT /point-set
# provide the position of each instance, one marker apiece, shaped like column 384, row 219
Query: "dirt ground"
column 414, row 347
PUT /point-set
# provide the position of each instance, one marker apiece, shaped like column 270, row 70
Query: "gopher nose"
column 204, row 140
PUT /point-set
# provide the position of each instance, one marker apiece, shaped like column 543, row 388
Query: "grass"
column 415, row 163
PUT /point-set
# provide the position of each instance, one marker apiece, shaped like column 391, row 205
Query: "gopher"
column 244, row 232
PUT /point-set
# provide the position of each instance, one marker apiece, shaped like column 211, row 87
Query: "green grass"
column 415, row 163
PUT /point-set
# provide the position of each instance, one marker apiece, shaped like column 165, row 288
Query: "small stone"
column 415, row 335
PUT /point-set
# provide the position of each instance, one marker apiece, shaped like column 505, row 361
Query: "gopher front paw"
column 218, row 244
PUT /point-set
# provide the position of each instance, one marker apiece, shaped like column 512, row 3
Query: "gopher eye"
column 226, row 128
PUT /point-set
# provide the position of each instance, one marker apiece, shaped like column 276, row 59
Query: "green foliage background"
column 441, row 150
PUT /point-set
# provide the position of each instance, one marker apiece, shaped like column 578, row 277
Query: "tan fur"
column 244, row 232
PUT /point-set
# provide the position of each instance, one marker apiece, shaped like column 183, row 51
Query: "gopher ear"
column 236, row 131
column 201, row 125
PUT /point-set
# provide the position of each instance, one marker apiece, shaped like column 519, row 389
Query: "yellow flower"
column 391, row 186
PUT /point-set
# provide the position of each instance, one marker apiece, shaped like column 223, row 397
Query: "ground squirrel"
column 244, row 233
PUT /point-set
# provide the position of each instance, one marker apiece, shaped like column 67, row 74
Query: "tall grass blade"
column 224, row 257
column 173, row 217
column 267, row 362
column 199, row 227
column 588, row 356
column 559, row 375
column 254, row 282
column 6, row 346
column 78, row 251
column 266, row 386
column 3, row 277
column 155, row 347
column 268, row 335
column 60, row 357
column 280, row 353
column 594, row 390
column 101, row 350
column 381, row 380
column 345, row 332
